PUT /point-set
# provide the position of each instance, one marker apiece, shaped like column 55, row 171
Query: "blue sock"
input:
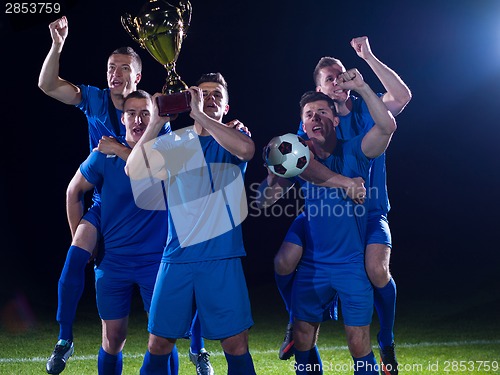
column 174, row 361
column 240, row 364
column 385, row 304
column 156, row 364
column 308, row 359
column 196, row 340
column 366, row 365
column 285, row 284
column 108, row 364
column 70, row 289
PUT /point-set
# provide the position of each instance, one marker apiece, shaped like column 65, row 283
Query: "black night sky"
column 443, row 164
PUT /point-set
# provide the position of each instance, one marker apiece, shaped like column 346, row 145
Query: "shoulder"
column 93, row 95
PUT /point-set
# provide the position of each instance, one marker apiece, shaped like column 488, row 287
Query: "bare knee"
column 377, row 258
column 159, row 345
column 305, row 335
column 236, row 345
column 114, row 335
column 287, row 258
column 85, row 236
column 358, row 340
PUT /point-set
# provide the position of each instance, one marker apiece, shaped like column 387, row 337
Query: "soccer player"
column 132, row 238
column 202, row 167
column 334, row 263
column 103, row 109
column 355, row 119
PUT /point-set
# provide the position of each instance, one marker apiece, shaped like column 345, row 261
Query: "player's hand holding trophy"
column 160, row 28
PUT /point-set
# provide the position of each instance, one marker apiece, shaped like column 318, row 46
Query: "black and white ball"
column 287, row 155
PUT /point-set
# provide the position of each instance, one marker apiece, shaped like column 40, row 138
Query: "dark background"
column 443, row 164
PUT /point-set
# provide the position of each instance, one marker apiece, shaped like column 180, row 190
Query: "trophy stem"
column 173, row 82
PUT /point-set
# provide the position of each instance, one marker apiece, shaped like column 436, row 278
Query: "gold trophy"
column 160, row 28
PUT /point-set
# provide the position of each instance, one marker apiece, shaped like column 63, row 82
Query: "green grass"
column 434, row 336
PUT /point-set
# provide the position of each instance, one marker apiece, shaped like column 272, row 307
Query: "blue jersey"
column 102, row 117
column 359, row 121
column 129, row 233
column 203, row 220
column 336, row 226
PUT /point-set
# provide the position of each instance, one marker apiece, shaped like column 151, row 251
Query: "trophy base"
column 172, row 104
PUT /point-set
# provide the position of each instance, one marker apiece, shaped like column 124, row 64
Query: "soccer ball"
column 287, row 155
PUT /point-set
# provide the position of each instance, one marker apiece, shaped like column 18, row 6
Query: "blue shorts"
column 216, row 288
column 115, row 282
column 315, row 289
column 93, row 215
column 378, row 231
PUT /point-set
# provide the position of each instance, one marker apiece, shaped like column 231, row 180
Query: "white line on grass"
column 219, row 353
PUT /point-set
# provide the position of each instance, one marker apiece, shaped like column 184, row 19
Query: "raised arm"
column 74, row 199
column 234, row 141
column 49, row 81
column 397, row 94
column 377, row 139
column 144, row 161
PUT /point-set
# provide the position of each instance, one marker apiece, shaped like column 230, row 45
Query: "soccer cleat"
column 287, row 349
column 202, row 362
column 57, row 361
column 388, row 360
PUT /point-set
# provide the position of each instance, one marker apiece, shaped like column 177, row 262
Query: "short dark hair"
column 314, row 96
column 323, row 63
column 129, row 51
column 213, row 77
column 138, row 94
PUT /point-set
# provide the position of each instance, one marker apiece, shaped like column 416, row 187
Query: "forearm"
column 320, row 175
column 50, row 82
column 379, row 112
column 234, row 141
column 397, row 93
column 123, row 152
column 140, row 158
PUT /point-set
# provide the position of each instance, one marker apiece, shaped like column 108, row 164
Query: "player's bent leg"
column 285, row 263
column 377, row 258
column 86, row 236
column 70, row 289
column 287, row 258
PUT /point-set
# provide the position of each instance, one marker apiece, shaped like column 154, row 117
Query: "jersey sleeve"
column 93, row 167
column 94, row 101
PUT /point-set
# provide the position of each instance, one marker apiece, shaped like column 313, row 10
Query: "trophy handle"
column 128, row 25
column 185, row 10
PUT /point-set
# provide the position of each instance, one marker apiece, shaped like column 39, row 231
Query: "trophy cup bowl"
column 160, row 28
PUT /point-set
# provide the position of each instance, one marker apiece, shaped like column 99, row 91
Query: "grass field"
column 443, row 335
